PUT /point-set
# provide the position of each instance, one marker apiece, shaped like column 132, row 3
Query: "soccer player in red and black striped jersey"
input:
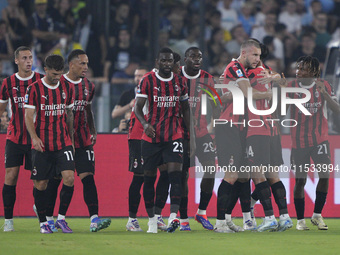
column 263, row 77
column 85, row 136
column 18, row 143
column 230, row 137
column 196, row 78
column 310, row 138
column 162, row 142
column 49, row 120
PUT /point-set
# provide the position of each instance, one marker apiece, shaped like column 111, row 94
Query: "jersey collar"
column 72, row 81
column 49, row 86
column 190, row 77
column 308, row 86
column 24, row 79
column 165, row 79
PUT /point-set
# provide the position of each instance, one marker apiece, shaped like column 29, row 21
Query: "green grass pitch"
column 116, row 240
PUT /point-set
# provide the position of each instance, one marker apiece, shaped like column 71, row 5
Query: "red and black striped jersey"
column 195, row 84
column 233, row 73
column 14, row 89
column 163, row 96
column 84, row 91
column 313, row 129
column 50, row 103
column 258, row 124
column 135, row 128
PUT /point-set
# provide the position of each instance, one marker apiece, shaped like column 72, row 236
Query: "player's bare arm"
column 90, row 121
column 331, row 103
column 148, row 128
column 2, row 108
column 268, row 76
column 244, row 84
column 36, row 142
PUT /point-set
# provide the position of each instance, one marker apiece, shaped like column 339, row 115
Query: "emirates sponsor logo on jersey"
column 166, row 101
column 312, row 107
column 53, row 109
column 194, row 100
column 79, row 105
column 20, row 101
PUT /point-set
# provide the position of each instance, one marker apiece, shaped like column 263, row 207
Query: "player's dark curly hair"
column 165, row 50
column 55, row 62
column 177, row 57
column 311, row 63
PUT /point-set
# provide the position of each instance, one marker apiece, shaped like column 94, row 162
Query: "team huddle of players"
column 159, row 138
column 52, row 128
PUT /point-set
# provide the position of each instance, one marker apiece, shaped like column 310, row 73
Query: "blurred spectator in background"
column 16, row 20
column 327, row 5
column 65, row 46
column 91, row 35
column 43, row 29
column 213, row 21
column 320, row 26
column 267, row 6
column 76, row 6
column 4, row 122
column 119, row 56
column 123, row 126
column 229, row 16
column 308, row 17
column 127, row 99
column 177, row 27
column 267, row 29
column 190, row 41
column 217, row 69
column 291, row 18
column 309, row 47
column 62, row 16
column 238, row 37
column 246, row 17
column 215, row 46
column 6, row 49
column 121, row 21
column 274, row 63
column 163, row 38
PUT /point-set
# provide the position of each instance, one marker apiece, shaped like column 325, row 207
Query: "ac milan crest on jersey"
column 14, row 89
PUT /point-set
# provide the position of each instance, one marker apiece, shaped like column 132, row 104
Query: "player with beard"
column 49, row 120
column 230, row 138
column 18, row 140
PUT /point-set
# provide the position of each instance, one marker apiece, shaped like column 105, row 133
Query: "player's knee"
column 68, row 180
column 11, row 176
column 300, row 182
column 40, row 185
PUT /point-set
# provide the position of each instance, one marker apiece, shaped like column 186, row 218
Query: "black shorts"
column 156, row 154
column 15, row 153
column 48, row 164
column 230, row 146
column 205, row 149
column 84, row 160
column 135, row 157
column 258, row 150
column 301, row 163
column 276, row 151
